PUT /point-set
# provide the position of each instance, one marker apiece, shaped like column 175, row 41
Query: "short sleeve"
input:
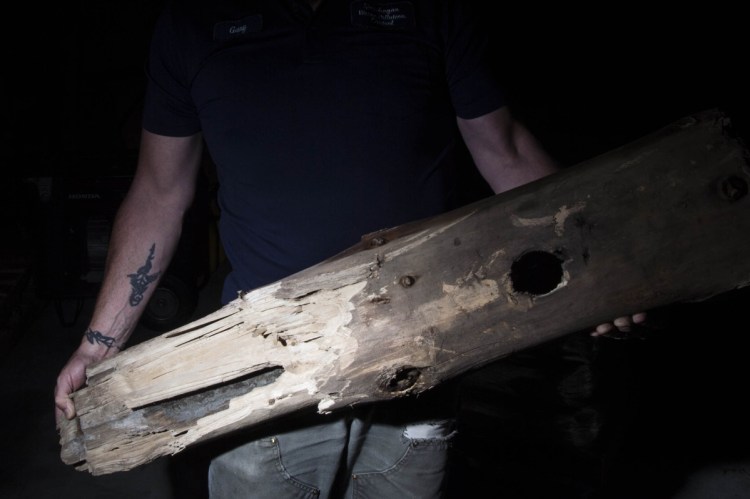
column 168, row 106
column 472, row 78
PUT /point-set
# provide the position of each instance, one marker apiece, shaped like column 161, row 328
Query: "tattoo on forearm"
column 98, row 337
column 141, row 279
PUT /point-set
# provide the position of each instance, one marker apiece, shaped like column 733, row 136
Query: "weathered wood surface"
column 662, row 220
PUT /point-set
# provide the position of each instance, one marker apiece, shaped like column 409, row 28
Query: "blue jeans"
column 366, row 453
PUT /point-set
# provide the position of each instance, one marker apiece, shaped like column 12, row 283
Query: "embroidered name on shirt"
column 394, row 15
column 229, row 30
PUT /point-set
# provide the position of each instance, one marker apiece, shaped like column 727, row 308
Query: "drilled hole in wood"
column 403, row 379
column 536, row 273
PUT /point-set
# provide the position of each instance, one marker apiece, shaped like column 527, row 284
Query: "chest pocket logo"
column 392, row 15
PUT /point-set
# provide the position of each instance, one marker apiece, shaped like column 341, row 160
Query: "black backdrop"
column 584, row 81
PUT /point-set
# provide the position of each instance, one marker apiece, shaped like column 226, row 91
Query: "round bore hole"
column 536, row 273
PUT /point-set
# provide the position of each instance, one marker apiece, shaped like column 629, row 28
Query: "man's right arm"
column 144, row 237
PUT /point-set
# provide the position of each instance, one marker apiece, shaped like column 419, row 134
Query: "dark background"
column 584, row 81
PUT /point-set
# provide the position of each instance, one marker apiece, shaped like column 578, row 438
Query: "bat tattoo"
column 141, row 279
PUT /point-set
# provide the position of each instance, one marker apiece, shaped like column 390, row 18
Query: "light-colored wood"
column 662, row 220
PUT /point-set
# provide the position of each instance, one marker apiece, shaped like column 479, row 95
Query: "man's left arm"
column 508, row 155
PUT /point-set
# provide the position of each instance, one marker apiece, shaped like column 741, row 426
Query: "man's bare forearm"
column 143, row 240
column 144, row 236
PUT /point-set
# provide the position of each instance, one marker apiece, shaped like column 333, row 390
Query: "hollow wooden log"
column 661, row 220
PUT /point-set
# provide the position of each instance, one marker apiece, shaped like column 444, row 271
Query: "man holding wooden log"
column 327, row 120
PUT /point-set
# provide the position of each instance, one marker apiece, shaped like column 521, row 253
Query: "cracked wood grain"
column 412, row 306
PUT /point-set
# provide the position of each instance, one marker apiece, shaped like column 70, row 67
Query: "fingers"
column 622, row 324
column 639, row 318
column 603, row 329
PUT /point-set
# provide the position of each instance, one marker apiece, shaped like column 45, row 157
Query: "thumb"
column 64, row 406
column 70, row 410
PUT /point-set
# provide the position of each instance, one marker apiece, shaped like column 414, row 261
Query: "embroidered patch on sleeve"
column 392, row 15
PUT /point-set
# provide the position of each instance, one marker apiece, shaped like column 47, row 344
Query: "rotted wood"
column 662, row 220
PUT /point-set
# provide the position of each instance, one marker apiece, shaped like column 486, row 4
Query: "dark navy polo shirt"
column 323, row 125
